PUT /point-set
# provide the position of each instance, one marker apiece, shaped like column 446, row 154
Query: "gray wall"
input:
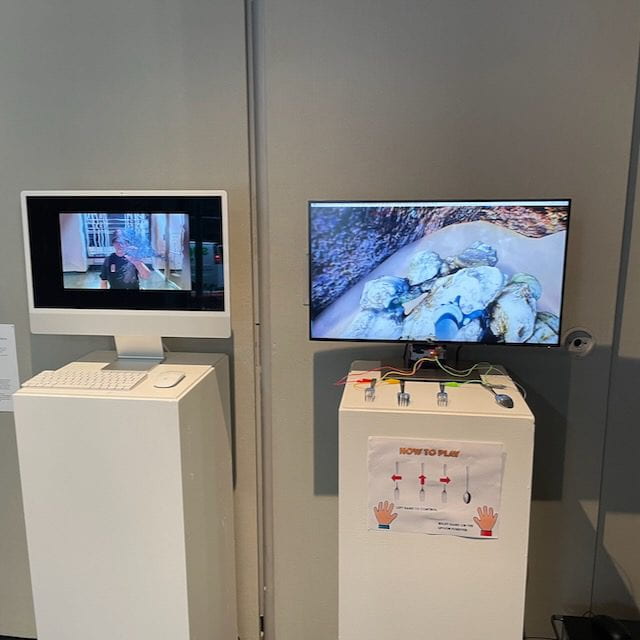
column 149, row 94
column 617, row 569
column 410, row 99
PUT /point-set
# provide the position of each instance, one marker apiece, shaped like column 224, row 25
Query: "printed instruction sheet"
column 9, row 380
column 440, row 487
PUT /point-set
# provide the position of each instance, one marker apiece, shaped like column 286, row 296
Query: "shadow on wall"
column 615, row 594
column 328, row 368
column 547, row 377
column 617, row 580
column 215, row 345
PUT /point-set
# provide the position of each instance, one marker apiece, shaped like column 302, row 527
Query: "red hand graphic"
column 486, row 520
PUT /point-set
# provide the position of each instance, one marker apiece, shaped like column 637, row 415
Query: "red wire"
column 344, row 380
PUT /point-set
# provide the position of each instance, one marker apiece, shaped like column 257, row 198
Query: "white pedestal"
column 128, row 507
column 415, row 585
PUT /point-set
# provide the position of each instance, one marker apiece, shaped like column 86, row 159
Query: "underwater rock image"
column 381, row 312
column 514, row 314
column 531, row 281
column 453, row 301
column 471, row 332
column 383, row 293
column 423, row 267
column 383, row 325
column 473, row 288
column 478, row 254
column 545, row 329
column 490, row 274
column 349, row 242
column 472, row 304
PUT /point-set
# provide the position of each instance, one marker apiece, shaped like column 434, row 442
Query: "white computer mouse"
column 167, row 379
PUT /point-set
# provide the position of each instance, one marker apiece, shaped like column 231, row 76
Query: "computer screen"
column 104, row 262
column 149, row 251
column 488, row 272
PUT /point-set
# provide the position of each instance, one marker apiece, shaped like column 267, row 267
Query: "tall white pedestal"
column 416, row 585
column 128, row 507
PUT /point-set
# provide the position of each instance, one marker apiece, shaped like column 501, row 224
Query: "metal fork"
column 370, row 391
column 442, row 397
column 403, row 397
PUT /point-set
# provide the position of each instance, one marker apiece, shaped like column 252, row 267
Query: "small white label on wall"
column 440, row 487
column 9, row 380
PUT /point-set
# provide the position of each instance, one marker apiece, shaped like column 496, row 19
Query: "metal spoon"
column 467, row 496
column 501, row 398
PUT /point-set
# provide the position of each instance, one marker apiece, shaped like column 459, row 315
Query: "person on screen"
column 122, row 271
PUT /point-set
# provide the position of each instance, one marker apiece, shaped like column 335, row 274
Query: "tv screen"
column 488, row 272
column 126, row 251
column 130, row 252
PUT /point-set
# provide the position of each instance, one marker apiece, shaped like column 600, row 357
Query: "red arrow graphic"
column 447, row 480
column 422, row 479
column 395, row 477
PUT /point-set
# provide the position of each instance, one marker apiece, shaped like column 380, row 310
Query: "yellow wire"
column 459, row 373
column 408, row 372
column 463, row 373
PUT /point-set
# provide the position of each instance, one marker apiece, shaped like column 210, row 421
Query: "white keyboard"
column 87, row 379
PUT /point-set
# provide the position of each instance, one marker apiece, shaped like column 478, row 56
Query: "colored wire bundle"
column 387, row 377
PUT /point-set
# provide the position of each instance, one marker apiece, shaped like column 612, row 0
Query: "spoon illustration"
column 396, row 491
column 422, row 493
column 444, row 486
column 467, row 496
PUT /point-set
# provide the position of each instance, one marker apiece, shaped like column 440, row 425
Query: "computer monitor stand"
column 137, row 353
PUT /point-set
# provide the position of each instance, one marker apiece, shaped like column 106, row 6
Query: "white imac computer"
column 126, row 462
column 138, row 265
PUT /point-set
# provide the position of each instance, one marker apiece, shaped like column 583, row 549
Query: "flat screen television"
column 481, row 271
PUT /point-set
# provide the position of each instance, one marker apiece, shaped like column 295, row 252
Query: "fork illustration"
column 370, row 391
column 403, row 397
